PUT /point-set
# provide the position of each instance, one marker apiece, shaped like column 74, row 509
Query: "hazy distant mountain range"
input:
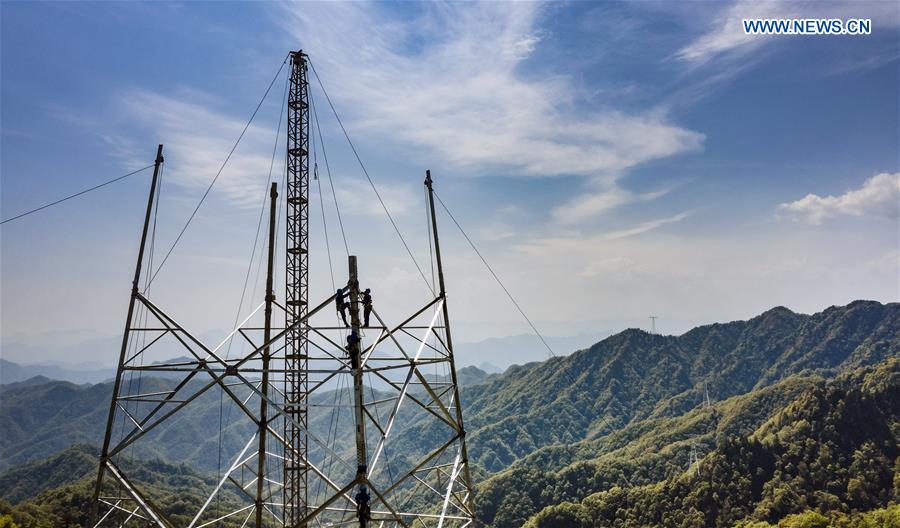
column 802, row 414
column 499, row 353
column 95, row 353
column 61, row 362
column 11, row 372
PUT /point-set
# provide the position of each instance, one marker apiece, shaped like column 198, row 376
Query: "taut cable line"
column 237, row 316
column 368, row 177
column 337, row 208
column 79, row 193
column 524, row 316
column 219, row 173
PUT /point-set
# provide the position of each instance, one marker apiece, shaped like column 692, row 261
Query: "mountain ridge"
column 533, row 405
column 831, row 449
column 591, row 415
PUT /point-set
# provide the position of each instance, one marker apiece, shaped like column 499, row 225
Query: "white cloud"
column 449, row 80
column 495, row 231
column 646, row 226
column 592, row 203
column 614, row 265
column 197, row 140
column 887, row 263
column 355, row 197
column 727, row 31
column 719, row 277
column 878, row 196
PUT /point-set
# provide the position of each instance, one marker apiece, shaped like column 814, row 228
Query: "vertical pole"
column 354, row 348
column 461, row 431
column 266, row 356
column 104, row 453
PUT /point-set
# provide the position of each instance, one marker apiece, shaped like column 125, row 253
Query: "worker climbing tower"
column 337, row 405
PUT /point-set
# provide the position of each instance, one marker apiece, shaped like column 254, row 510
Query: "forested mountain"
column 40, row 417
column 833, row 448
column 59, row 490
column 634, row 375
column 643, row 452
column 31, row 479
column 619, row 419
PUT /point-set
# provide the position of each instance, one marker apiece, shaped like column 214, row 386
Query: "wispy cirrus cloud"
column 454, row 80
column 878, row 196
column 726, row 31
column 449, row 79
column 593, row 202
column 650, row 225
column 355, row 197
column 198, row 138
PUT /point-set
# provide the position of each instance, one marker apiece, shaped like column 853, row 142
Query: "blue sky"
column 612, row 160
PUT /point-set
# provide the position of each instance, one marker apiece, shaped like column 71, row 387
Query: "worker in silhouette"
column 340, row 301
column 367, row 306
column 353, row 349
column 363, row 510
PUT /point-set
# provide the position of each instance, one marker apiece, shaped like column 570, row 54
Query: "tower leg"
column 266, row 356
column 117, row 385
column 449, row 339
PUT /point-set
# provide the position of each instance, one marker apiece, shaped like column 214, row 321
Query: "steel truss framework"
column 383, row 436
column 421, row 479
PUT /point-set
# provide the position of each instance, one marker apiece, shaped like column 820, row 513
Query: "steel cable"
column 368, row 177
column 219, row 173
column 61, row 200
column 527, row 319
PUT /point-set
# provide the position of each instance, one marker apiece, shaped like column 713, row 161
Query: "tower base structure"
column 383, row 437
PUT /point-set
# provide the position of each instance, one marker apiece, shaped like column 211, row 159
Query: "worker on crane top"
column 367, row 305
column 341, row 303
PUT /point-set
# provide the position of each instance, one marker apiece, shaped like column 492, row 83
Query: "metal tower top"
column 331, row 421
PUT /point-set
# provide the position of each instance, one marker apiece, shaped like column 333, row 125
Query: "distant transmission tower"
column 694, row 461
column 335, row 424
column 653, row 319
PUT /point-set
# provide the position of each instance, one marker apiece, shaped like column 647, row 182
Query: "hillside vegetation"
column 833, row 450
column 59, row 491
column 634, row 375
column 802, row 421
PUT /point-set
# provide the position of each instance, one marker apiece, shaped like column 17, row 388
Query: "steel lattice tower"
column 334, row 424
column 296, row 288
